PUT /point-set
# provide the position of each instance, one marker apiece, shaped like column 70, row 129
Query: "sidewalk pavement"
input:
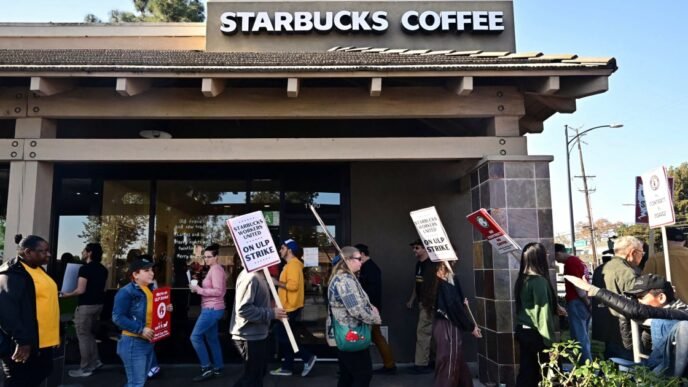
column 323, row 374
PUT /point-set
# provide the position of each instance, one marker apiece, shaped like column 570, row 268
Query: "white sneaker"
column 80, row 373
column 280, row 372
column 307, row 367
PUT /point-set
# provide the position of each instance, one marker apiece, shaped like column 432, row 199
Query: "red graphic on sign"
column 162, row 318
column 492, row 231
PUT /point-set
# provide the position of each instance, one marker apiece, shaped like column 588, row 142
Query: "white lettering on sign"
column 345, row 21
column 431, row 21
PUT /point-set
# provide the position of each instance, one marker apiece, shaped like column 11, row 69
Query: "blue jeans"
column 285, row 349
column 669, row 347
column 137, row 356
column 204, row 331
column 579, row 317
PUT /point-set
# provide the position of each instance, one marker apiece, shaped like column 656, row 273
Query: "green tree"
column 680, row 175
column 156, row 11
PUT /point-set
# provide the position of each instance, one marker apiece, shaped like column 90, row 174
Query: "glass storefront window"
column 115, row 215
column 191, row 215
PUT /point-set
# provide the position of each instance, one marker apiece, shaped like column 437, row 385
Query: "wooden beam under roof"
column 212, row 87
column 461, row 86
column 269, row 103
column 541, row 85
column 556, row 103
column 293, row 87
column 375, row 87
column 129, row 87
column 46, row 87
column 270, row 149
column 580, row 87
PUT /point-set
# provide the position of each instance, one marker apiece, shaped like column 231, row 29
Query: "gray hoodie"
column 252, row 313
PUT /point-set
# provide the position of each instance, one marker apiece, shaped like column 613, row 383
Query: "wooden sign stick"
column 285, row 320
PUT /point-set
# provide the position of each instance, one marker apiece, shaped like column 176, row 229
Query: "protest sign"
column 257, row 251
column 434, row 236
column 658, row 198
column 162, row 318
column 311, row 257
column 640, row 202
column 492, row 231
column 71, row 278
column 253, row 241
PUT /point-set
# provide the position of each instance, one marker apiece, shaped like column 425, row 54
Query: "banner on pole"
column 434, row 236
column 162, row 318
column 253, row 241
column 492, row 231
column 658, row 198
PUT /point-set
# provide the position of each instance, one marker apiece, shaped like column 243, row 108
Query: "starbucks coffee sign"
column 346, row 21
column 303, row 26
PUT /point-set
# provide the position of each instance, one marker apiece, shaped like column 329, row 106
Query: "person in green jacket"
column 536, row 309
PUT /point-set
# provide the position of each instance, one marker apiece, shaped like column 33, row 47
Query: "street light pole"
column 587, row 201
column 568, row 173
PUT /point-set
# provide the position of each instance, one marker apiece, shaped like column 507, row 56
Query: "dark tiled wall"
column 517, row 193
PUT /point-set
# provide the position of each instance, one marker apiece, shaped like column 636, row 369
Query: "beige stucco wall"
column 140, row 36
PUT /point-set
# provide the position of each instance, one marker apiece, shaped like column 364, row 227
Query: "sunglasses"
column 356, row 258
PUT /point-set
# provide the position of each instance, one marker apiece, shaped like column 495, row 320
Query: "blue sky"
column 647, row 94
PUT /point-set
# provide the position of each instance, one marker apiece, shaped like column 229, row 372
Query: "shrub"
column 596, row 373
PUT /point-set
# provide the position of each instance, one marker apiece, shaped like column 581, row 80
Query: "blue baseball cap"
column 291, row 244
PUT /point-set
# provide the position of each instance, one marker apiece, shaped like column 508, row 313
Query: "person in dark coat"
column 450, row 322
column 29, row 314
column 370, row 278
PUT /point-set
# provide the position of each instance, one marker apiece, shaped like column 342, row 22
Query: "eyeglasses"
column 356, row 258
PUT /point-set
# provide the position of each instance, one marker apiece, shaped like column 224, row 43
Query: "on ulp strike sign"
column 253, row 241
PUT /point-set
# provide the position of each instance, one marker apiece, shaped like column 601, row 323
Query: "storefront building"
column 148, row 138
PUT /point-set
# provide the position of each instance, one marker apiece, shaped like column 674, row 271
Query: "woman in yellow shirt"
column 30, row 318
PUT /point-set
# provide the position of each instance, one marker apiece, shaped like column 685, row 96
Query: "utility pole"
column 586, row 191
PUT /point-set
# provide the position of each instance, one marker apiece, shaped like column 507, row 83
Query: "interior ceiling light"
column 154, row 134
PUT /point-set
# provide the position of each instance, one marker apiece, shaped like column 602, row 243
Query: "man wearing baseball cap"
column 678, row 259
column 652, row 297
column 291, row 293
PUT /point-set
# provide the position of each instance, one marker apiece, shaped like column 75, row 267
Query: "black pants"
column 531, row 346
column 29, row 374
column 355, row 369
column 255, row 355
